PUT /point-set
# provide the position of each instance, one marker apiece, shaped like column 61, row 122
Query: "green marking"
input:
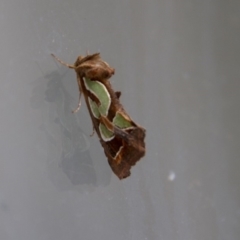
column 105, row 133
column 100, row 91
column 94, row 108
column 121, row 122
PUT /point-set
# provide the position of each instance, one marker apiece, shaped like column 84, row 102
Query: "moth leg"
column 79, row 103
column 63, row 63
column 92, row 132
column 80, row 94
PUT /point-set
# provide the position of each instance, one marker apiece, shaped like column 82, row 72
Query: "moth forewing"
column 121, row 138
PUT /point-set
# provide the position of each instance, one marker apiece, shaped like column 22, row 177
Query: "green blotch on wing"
column 100, row 91
column 121, row 122
column 105, row 133
column 94, row 108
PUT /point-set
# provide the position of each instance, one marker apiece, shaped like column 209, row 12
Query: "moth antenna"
column 63, row 63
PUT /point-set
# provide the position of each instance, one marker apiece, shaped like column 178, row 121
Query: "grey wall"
column 177, row 65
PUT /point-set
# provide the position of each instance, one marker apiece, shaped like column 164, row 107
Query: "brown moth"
column 121, row 138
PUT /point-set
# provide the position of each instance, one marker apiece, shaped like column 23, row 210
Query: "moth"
column 121, row 138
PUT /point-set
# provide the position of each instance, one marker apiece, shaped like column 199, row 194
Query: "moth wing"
column 122, row 158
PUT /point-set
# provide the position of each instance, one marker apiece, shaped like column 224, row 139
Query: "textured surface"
column 177, row 66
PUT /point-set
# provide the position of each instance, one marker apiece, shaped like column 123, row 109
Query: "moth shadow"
column 67, row 146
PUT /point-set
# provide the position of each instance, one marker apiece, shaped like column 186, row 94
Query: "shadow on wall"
column 64, row 144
